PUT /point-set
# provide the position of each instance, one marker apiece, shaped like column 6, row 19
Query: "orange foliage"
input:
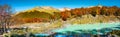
column 65, row 15
column 30, row 20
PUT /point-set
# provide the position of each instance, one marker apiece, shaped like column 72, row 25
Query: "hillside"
column 34, row 14
column 52, row 14
column 37, row 14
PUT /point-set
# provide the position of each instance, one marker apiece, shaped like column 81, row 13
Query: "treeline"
column 104, row 10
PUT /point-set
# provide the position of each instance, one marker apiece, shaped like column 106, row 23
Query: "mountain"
column 63, row 9
column 38, row 14
column 46, row 9
column 95, row 6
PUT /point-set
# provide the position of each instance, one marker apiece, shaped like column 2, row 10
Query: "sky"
column 20, row 5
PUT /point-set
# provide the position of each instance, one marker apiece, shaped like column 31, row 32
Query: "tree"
column 78, row 11
column 65, row 14
column 117, row 13
column 103, row 10
column 95, row 11
column 112, row 10
column 5, row 17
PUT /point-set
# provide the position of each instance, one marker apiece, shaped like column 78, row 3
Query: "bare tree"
column 5, row 17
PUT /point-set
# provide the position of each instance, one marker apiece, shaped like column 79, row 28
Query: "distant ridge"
column 47, row 9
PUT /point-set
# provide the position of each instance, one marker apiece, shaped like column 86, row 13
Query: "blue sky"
column 20, row 5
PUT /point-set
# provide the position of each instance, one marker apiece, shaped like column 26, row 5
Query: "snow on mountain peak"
column 63, row 9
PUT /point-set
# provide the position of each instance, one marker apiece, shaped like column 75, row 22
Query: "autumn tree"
column 65, row 14
column 95, row 10
column 78, row 11
column 112, row 10
column 103, row 10
column 88, row 10
column 117, row 13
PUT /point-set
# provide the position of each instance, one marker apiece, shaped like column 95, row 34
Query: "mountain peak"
column 95, row 6
column 43, row 7
column 65, row 8
column 46, row 9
